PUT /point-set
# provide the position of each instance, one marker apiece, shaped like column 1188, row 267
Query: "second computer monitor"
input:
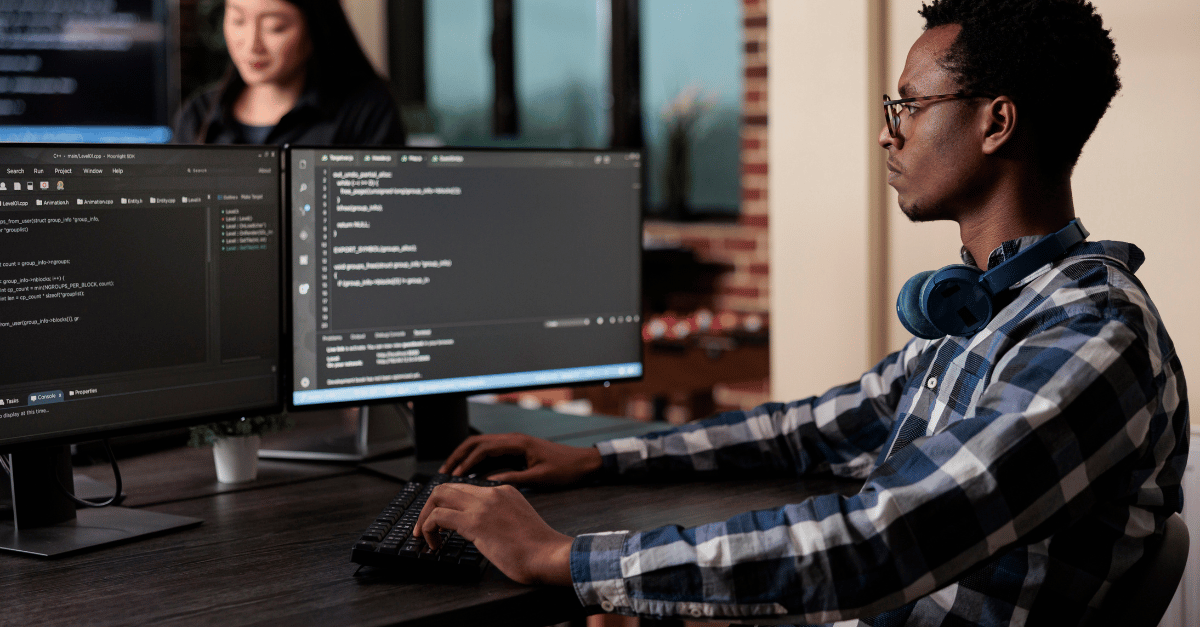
column 432, row 272
column 139, row 287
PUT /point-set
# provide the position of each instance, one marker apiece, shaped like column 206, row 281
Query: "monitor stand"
column 361, row 433
column 45, row 522
column 440, row 422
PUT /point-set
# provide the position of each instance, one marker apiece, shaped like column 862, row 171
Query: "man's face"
column 935, row 159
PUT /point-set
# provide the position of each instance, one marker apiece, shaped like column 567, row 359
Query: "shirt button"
column 931, row 382
column 697, row 612
column 607, row 605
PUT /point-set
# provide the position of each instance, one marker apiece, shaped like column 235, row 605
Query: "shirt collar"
column 1001, row 253
column 1122, row 253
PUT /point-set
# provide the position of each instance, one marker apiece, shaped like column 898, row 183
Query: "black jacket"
column 366, row 117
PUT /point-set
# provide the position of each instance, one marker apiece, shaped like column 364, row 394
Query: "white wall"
column 1134, row 181
column 819, row 146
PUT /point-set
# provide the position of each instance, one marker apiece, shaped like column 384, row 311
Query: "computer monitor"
column 434, row 274
column 139, row 290
column 88, row 71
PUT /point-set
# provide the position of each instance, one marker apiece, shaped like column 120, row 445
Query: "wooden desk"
column 277, row 552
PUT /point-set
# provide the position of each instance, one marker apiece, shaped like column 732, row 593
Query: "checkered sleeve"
column 840, row 432
column 1032, row 458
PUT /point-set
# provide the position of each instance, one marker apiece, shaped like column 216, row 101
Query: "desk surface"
column 277, row 551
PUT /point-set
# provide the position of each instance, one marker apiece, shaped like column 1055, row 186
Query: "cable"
column 4, row 464
column 116, row 475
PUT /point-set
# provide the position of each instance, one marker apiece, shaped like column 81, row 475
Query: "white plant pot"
column 236, row 458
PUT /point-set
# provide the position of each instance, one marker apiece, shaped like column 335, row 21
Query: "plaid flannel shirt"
column 1010, row 477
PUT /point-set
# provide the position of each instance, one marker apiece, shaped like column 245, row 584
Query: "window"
column 560, row 58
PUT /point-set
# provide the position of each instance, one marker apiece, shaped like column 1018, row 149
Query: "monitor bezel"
column 147, row 425
column 289, row 354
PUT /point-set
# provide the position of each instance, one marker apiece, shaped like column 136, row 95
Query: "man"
column 1012, row 472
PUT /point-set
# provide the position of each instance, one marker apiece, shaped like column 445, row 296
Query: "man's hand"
column 503, row 526
column 547, row 463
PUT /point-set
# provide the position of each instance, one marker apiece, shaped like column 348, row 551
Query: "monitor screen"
column 88, row 70
column 139, row 286
column 450, row 271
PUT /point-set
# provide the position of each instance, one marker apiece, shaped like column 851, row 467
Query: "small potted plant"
column 235, row 444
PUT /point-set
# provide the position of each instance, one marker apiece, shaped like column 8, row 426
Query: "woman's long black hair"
column 336, row 57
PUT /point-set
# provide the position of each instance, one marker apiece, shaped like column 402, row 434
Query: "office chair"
column 1141, row 596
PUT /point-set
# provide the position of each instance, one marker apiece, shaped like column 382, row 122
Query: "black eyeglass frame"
column 891, row 111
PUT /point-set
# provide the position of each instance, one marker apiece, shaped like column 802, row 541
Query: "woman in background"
column 297, row 76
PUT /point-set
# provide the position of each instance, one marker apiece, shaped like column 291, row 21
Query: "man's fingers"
column 437, row 520
column 460, row 452
column 485, row 451
column 448, row 495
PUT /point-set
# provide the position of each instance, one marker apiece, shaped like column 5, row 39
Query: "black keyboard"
column 389, row 542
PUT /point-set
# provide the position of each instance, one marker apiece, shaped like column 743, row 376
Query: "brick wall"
column 744, row 243
column 754, row 118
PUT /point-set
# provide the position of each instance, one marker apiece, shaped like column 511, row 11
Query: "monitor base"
column 89, row 529
column 95, row 491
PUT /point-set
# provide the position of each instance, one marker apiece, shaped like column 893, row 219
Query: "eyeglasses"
column 891, row 108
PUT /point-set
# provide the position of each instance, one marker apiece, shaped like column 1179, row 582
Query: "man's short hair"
column 1054, row 58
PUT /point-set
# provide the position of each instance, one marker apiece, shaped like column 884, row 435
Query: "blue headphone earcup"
column 954, row 302
column 908, row 308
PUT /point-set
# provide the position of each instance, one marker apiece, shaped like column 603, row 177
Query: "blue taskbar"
column 86, row 134
column 468, row 384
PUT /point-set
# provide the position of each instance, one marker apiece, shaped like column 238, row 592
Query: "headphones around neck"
column 957, row 300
